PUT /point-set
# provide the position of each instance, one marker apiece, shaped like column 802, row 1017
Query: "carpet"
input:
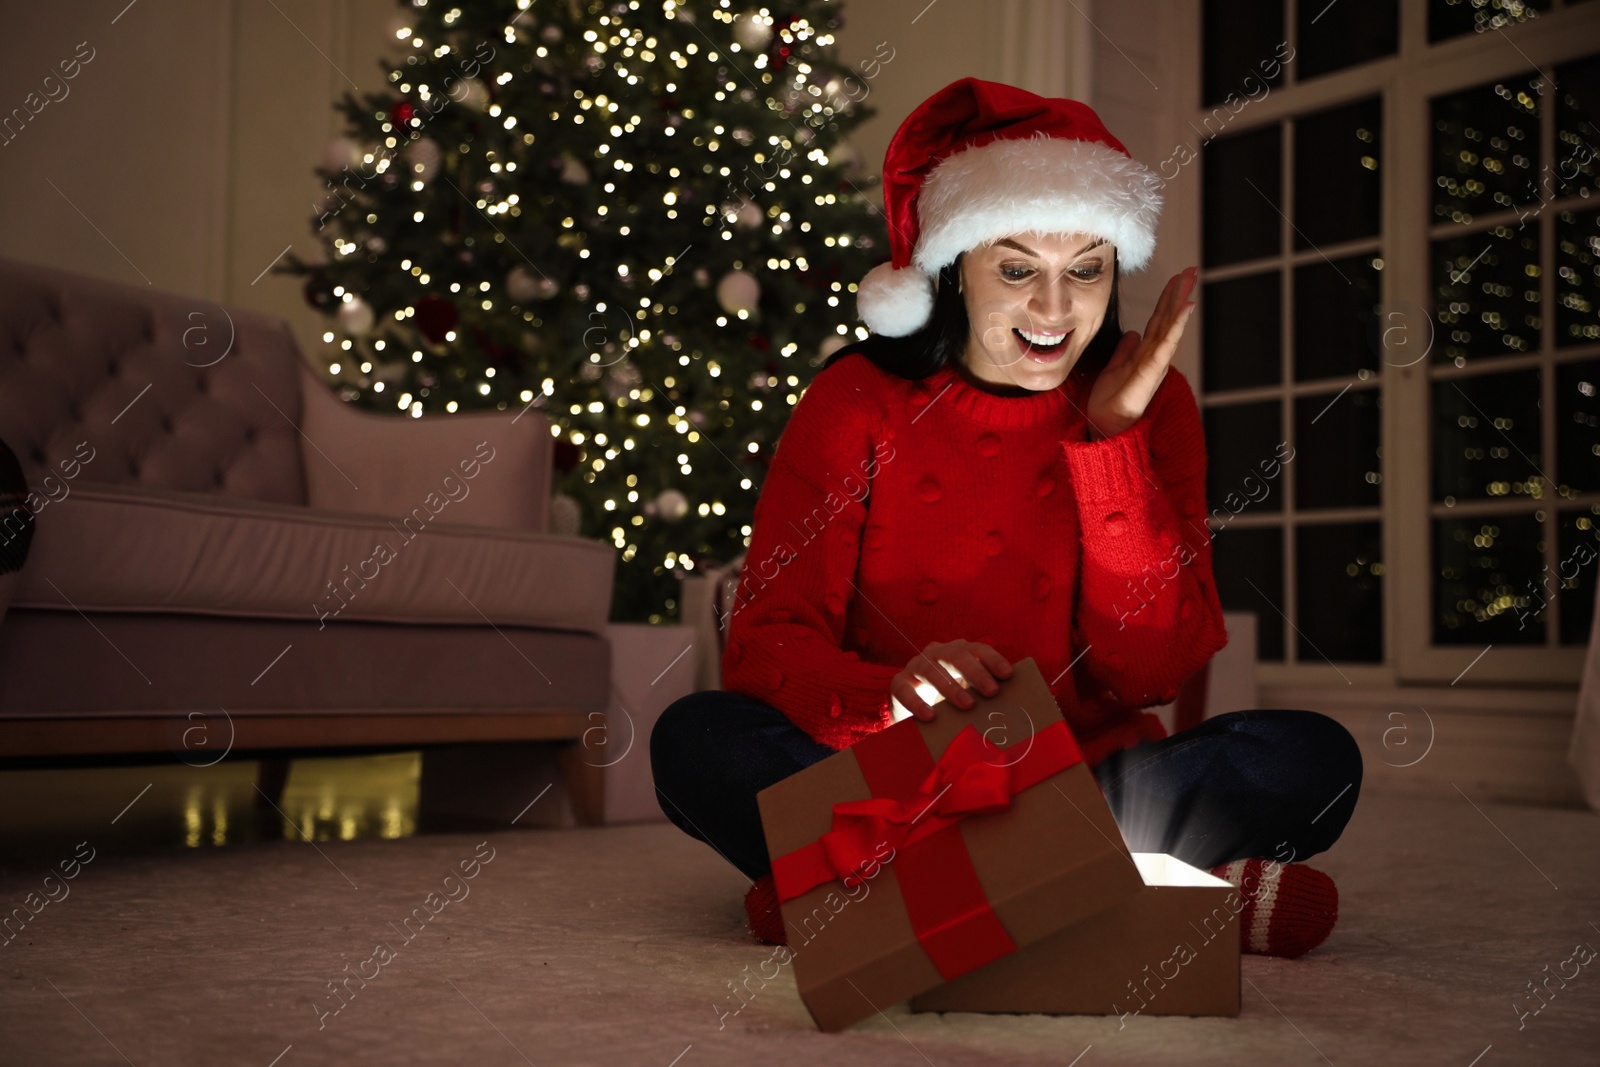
column 620, row 945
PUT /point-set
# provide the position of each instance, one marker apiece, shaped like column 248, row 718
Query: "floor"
column 619, row 945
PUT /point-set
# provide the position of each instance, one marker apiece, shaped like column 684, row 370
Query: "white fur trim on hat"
column 1036, row 185
column 894, row 303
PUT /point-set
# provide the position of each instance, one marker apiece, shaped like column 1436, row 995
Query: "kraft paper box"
column 929, row 849
column 1172, row 949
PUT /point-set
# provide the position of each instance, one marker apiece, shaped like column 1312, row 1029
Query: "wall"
column 1035, row 44
column 181, row 155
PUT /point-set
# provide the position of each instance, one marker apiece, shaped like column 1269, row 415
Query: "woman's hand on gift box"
column 945, row 670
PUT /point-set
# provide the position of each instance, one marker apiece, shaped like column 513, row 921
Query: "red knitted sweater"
column 897, row 512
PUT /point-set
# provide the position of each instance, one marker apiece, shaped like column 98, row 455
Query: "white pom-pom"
column 894, row 303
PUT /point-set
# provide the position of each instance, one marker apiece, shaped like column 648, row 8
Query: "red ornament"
column 497, row 353
column 779, row 54
column 435, row 317
column 566, row 456
column 400, row 114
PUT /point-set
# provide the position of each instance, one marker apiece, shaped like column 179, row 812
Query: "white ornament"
column 522, row 285
column 356, row 317
column 752, row 32
column 573, row 172
column 750, row 216
column 341, row 153
column 564, row 515
column 423, row 155
column 622, row 380
column 738, row 291
column 471, row 92
column 672, row 505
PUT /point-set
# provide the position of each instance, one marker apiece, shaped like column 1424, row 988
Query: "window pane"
column 1486, row 294
column 1248, row 565
column 1338, row 572
column 1577, row 277
column 1486, row 437
column 1336, row 186
column 1486, row 148
column 1579, row 544
column 1452, row 18
column 1241, row 40
column 1335, row 317
column 1485, row 568
column 1244, row 442
column 1242, row 188
column 1240, row 340
column 1336, row 449
column 1577, row 129
column 1578, row 427
column 1334, row 36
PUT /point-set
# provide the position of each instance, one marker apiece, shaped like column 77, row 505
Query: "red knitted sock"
column 1289, row 908
column 761, row 908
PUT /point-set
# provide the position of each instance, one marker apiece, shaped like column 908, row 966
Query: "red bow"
column 973, row 777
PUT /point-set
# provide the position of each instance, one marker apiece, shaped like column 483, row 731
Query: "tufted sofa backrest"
column 109, row 383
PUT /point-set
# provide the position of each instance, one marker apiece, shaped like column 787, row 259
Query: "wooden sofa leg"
column 585, row 780
column 272, row 775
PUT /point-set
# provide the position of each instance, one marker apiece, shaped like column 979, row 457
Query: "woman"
column 1000, row 472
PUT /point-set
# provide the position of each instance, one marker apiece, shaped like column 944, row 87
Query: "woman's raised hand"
column 975, row 664
column 1123, row 389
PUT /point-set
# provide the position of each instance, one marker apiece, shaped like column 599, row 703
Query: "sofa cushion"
column 108, row 548
column 137, row 664
column 495, row 463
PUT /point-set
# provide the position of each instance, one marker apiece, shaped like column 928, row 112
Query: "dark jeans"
column 1271, row 784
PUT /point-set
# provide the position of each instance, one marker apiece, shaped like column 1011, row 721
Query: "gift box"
column 929, row 850
column 1171, row 949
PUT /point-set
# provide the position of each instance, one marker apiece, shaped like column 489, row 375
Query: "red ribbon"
column 915, row 806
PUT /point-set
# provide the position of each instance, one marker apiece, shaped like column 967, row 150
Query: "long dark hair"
column 943, row 340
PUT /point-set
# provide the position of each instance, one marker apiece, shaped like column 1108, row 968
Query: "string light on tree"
column 628, row 214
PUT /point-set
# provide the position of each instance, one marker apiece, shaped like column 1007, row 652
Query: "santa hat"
column 978, row 161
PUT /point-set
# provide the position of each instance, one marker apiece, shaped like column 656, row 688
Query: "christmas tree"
column 637, row 217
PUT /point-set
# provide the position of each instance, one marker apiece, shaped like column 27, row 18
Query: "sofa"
column 227, row 560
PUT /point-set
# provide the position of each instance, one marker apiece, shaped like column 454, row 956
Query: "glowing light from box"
column 926, row 690
column 1158, row 868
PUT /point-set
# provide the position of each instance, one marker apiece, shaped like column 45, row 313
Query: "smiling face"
column 1034, row 302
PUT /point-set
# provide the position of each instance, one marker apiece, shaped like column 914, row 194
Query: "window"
column 1513, row 253
column 1400, row 332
